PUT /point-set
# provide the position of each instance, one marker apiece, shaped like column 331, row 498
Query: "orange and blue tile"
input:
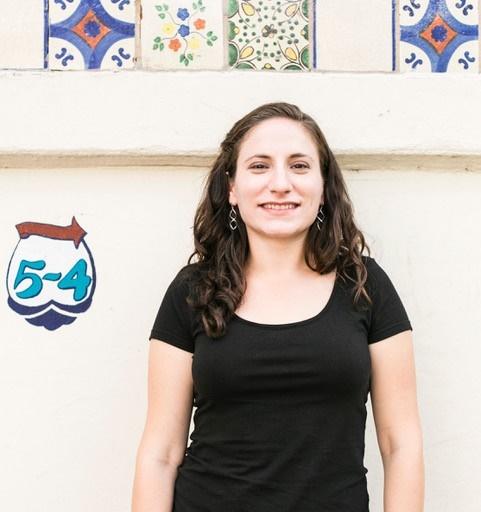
column 91, row 34
column 439, row 36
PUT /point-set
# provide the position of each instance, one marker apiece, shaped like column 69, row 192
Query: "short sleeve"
column 388, row 314
column 173, row 322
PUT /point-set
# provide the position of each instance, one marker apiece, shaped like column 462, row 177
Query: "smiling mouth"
column 272, row 207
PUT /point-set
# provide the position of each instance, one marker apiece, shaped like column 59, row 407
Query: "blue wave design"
column 51, row 320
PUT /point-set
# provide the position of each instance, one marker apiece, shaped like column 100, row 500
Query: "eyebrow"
column 294, row 155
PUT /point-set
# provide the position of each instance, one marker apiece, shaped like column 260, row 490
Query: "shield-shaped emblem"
column 51, row 274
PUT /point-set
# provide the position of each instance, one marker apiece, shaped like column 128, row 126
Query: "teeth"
column 279, row 207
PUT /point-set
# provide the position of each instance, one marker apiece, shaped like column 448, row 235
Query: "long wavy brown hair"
column 220, row 253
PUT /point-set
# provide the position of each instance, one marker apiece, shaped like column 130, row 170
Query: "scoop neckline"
column 323, row 311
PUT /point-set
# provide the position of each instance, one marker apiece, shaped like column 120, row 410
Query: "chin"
column 280, row 233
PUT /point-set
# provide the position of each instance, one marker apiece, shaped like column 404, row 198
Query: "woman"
column 277, row 333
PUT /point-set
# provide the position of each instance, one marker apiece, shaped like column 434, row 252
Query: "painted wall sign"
column 51, row 274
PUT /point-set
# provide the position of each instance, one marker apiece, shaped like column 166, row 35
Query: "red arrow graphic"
column 73, row 232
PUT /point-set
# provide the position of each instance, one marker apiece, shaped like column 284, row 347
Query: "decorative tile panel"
column 179, row 34
column 354, row 35
column 439, row 35
column 91, row 34
column 268, row 35
column 21, row 34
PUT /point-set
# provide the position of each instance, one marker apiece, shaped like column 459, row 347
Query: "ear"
column 232, row 195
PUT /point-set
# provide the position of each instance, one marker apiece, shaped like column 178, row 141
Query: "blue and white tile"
column 180, row 34
column 439, row 36
column 22, row 32
column 91, row 34
column 354, row 35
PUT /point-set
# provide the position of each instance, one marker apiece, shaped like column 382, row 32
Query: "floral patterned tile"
column 91, row 34
column 439, row 36
column 354, row 35
column 180, row 34
column 21, row 34
column 268, row 35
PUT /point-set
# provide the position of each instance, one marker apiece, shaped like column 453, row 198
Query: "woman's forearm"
column 153, row 489
column 404, row 480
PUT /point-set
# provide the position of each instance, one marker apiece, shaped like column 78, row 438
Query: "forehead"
column 278, row 137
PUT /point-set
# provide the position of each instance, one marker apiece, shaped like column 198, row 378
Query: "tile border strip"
column 395, row 31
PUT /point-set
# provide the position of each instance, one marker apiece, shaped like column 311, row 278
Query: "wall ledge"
column 347, row 161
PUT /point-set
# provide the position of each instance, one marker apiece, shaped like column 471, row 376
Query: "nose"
column 279, row 180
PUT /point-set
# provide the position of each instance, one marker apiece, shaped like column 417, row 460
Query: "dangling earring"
column 233, row 218
column 320, row 219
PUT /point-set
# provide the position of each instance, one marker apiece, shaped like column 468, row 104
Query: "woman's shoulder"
column 367, row 260
column 186, row 274
column 377, row 277
column 369, row 263
column 185, row 283
column 372, row 266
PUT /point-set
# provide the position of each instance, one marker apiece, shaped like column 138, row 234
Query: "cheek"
column 311, row 190
column 250, row 194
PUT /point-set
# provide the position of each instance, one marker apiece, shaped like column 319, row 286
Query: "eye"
column 304, row 166
column 262, row 166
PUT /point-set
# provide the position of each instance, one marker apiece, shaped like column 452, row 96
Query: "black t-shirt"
column 279, row 421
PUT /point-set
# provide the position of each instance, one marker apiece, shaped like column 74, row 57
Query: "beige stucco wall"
column 181, row 111
column 73, row 400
